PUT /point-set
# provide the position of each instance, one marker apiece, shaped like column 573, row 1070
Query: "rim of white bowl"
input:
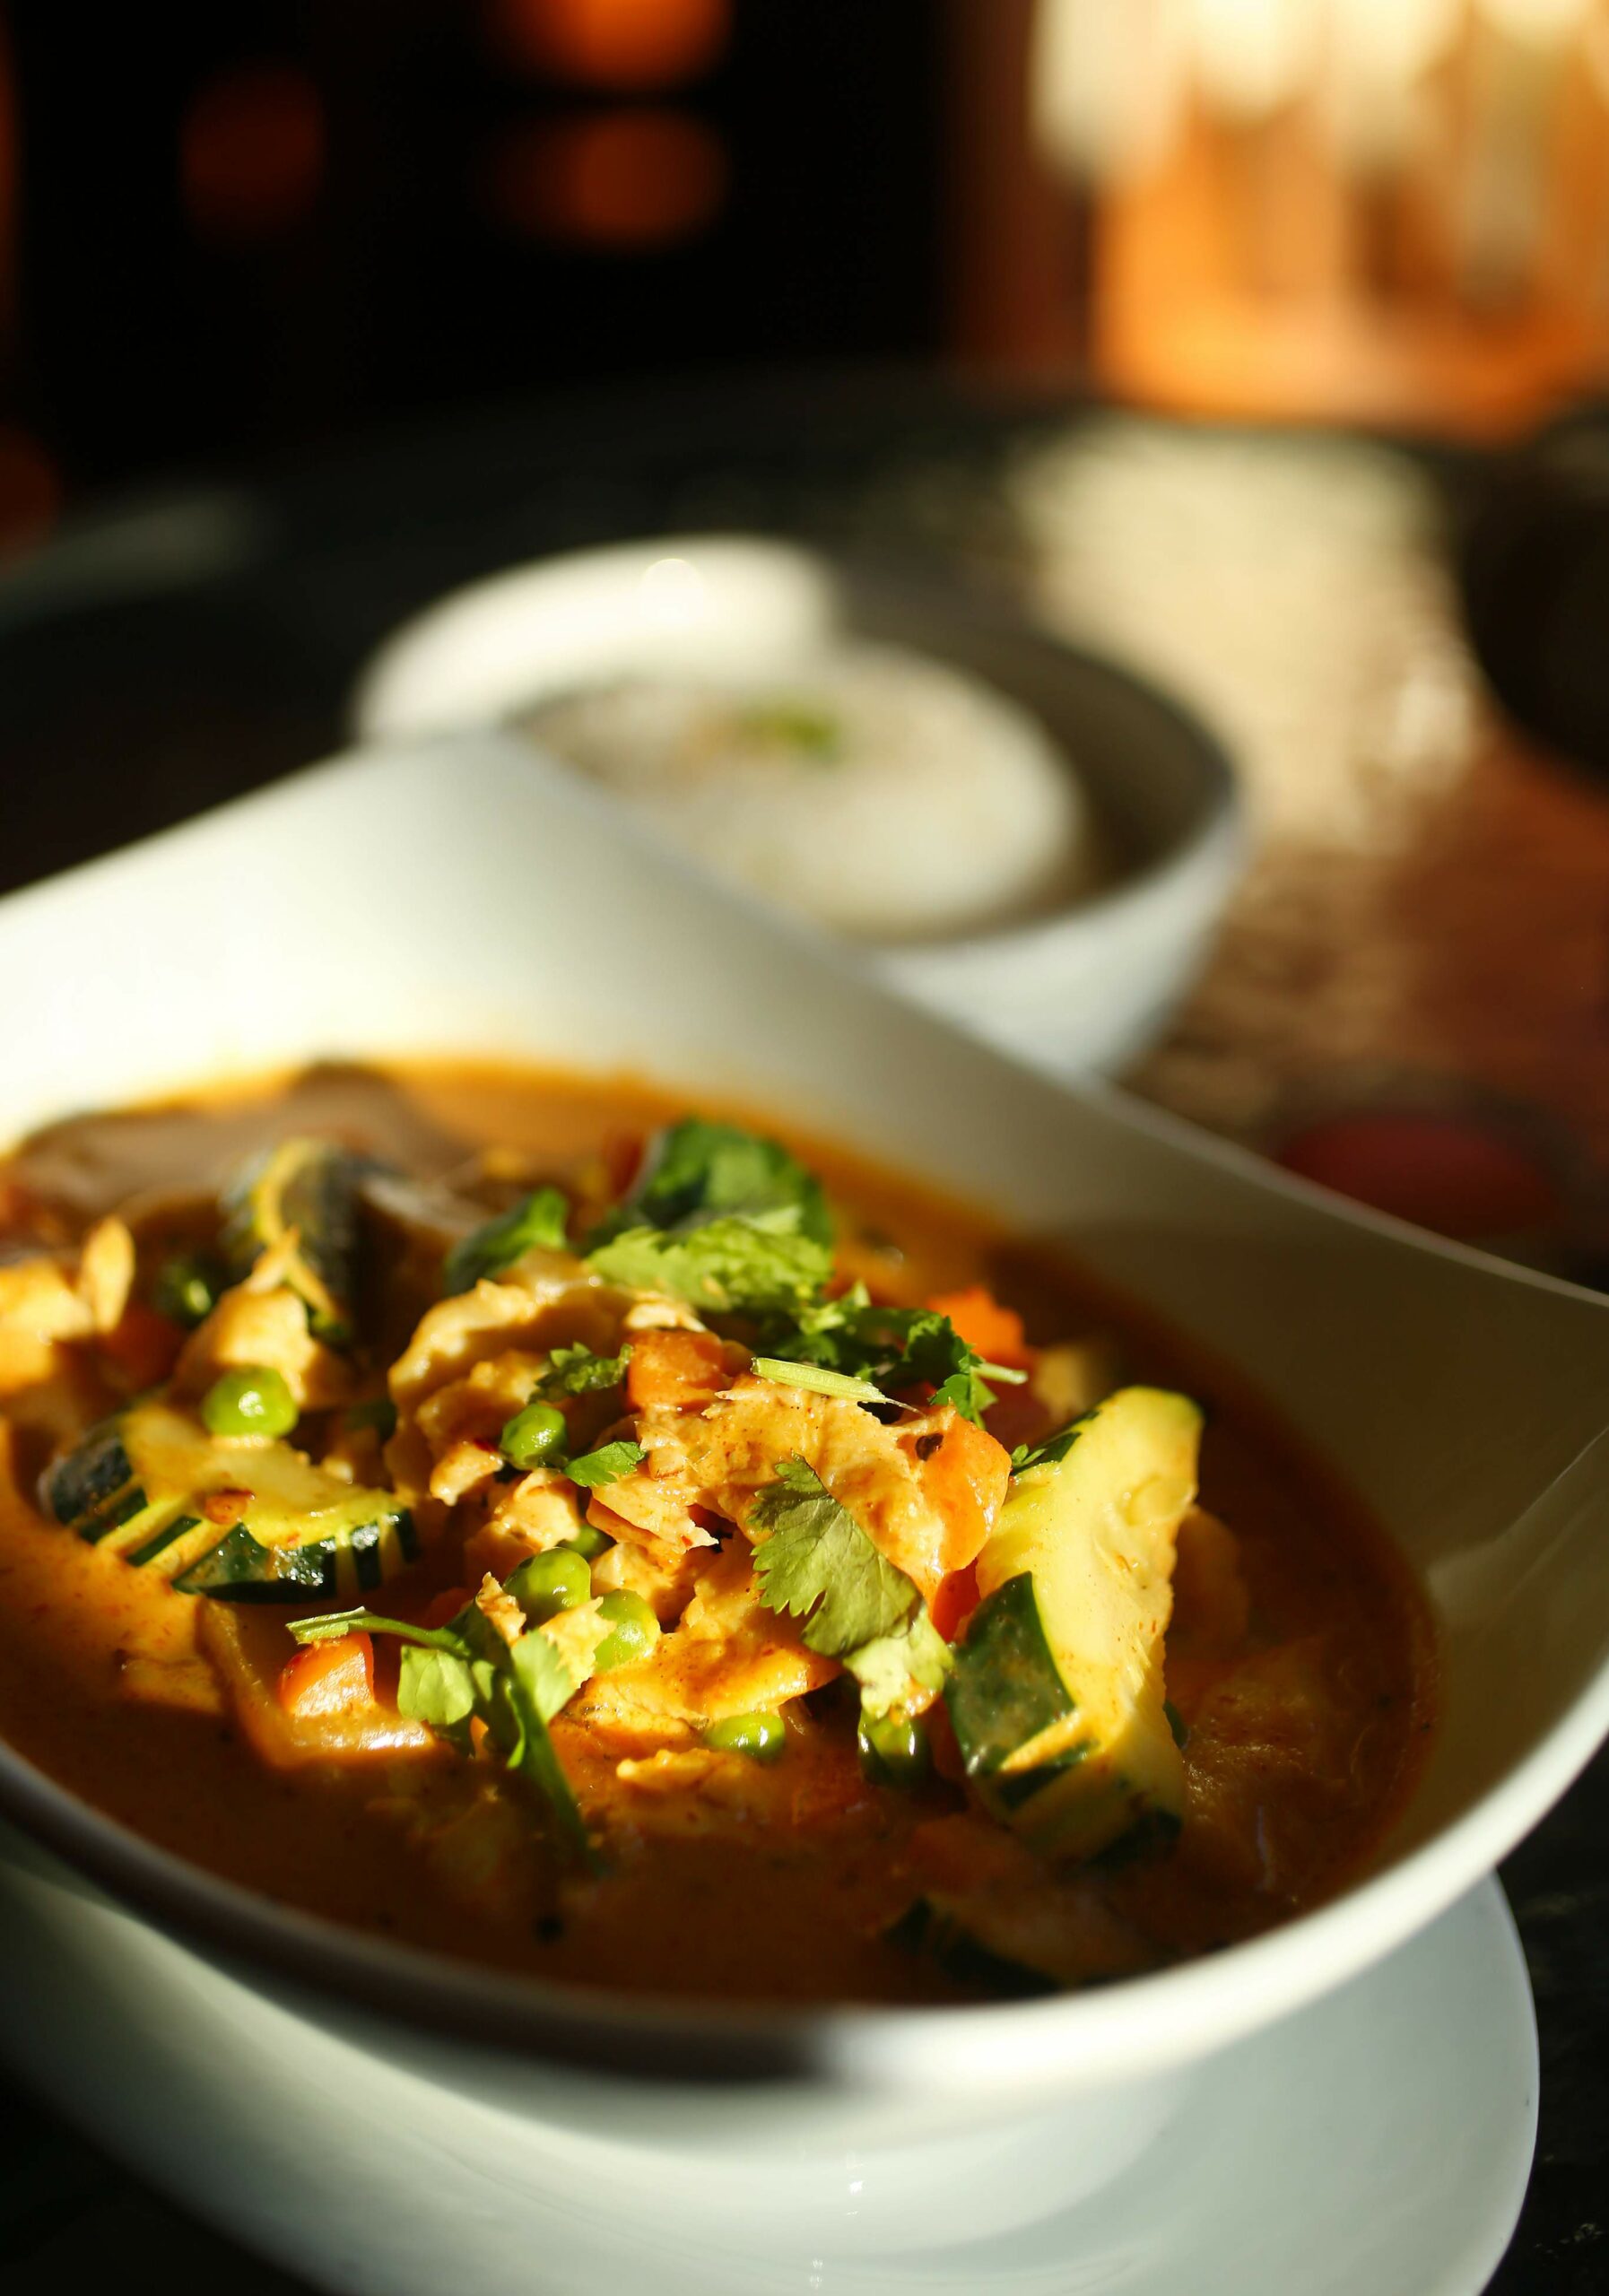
column 1207, row 852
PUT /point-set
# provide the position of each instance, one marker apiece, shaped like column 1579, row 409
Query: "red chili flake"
column 225, row 1507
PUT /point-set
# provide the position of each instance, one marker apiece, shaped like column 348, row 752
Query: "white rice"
column 877, row 792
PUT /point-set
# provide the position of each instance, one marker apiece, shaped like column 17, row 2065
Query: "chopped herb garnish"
column 332, row 1624
column 762, row 1263
column 698, row 1170
column 816, row 1564
column 465, row 1671
column 1053, row 1450
column 539, row 1219
column 892, row 1348
column 593, row 1469
column 788, row 723
column 579, row 1372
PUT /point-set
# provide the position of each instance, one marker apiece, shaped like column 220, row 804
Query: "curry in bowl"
column 517, row 1517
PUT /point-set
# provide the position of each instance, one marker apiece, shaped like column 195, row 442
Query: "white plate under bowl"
column 1086, row 988
column 452, row 899
column 1379, row 2140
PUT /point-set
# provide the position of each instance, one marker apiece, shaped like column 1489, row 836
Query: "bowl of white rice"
column 1014, row 833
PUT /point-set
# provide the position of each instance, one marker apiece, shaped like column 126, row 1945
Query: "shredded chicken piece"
column 665, row 1583
column 106, row 1273
column 655, row 1313
column 577, row 1634
column 500, row 1610
column 461, row 1421
column 252, row 1324
column 728, row 1656
column 896, row 1482
column 547, row 1299
column 525, row 1519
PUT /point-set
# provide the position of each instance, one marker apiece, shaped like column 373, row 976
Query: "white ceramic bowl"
column 1087, row 988
column 387, row 2121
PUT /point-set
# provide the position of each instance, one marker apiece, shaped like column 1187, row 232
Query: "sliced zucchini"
column 1057, row 1695
column 936, row 1932
column 85, row 1482
column 310, row 1187
column 140, row 1485
column 1008, row 1693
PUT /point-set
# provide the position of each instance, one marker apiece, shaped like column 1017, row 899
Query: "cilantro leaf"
column 758, row 1264
column 593, row 1469
column 918, row 1653
column 539, row 1219
column 547, row 1675
column 699, row 1170
column 816, row 1564
column 437, row 1687
column 579, row 1372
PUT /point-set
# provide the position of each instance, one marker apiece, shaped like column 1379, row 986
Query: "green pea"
column 186, row 1289
column 635, row 1630
column 252, row 1400
column 589, row 1543
column 760, row 1736
column 550, row 1583
column 534, row 1436
column 893, row 1750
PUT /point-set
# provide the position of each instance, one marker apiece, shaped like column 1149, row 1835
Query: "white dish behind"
column 1086, row 988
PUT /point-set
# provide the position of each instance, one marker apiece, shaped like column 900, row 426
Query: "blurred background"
column 1261, row 343
column 240, row 233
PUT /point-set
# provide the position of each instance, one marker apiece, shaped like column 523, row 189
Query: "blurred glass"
column 1385, row 210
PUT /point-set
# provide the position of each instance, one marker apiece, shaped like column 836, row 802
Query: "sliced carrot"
column 674, row 1366
column 445, row 1606
column 995, row 1332
column 964, row 1473
column 328, row 1678
column 955, row 1600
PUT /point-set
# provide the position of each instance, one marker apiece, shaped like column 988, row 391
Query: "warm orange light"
column 611, row 43
column 251, row 152
column 623, row 180
column 29, row 488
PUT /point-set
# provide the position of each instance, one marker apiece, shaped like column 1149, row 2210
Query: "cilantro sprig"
column 757, row 1263
column 722, row 1219
column 698, row 1170
column 816, row 1564
column 891, row 1348
column 465, row 1671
